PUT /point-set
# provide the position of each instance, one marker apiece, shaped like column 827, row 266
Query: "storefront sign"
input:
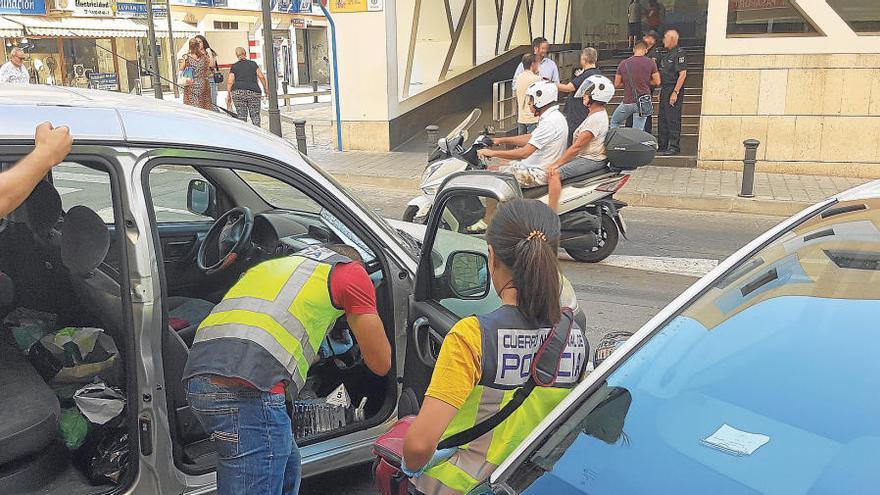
column 356, row 5
column 139, row 9
column 741, row 5
column 300, row 23
column 291, row 6
column 88, row 8
column 105, row 81
column 32, row 7
column 198, row 3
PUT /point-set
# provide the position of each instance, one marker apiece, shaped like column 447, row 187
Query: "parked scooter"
column 588, row 212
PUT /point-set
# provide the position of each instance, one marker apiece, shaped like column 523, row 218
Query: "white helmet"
column 543, row 93
column 599, row 87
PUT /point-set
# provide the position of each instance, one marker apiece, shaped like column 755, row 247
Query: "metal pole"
column 315, row 89
column 432, row 132
column 171, row 51
column 300, row 126
column 153, row 56
column 335, row 88
column 748, row 181
column 271, row 73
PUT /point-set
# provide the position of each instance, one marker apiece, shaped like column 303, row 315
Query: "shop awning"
column 80, row 27
column 9, row 29
column 180, row 29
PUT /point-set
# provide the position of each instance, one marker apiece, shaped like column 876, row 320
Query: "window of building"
column 226, row 25
column 750, row 17
column 863, row 16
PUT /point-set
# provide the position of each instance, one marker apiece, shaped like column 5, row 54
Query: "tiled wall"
column 814, row 114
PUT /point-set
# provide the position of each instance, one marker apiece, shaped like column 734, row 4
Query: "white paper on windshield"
column 339, row 397
column 735, row 442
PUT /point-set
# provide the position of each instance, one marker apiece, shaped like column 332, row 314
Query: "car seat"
column 85, row 241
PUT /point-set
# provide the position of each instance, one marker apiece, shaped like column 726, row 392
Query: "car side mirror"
column 201, row 198
column 467, row 274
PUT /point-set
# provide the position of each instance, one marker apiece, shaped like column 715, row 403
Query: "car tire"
column 409, row 214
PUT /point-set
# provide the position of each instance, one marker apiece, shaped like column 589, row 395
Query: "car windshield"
column 766, row 383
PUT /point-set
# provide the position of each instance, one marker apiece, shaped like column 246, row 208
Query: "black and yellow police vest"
column 269, row 326
column 509, row 344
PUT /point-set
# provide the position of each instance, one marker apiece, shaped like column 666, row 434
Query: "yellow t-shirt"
column 459, row 364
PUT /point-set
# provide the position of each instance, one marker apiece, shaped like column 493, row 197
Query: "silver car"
column 156, row 212
column 760, row 378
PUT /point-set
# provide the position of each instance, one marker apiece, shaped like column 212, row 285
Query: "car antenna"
column 148, row 72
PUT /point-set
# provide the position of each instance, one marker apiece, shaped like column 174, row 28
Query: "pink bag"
column 388, row 476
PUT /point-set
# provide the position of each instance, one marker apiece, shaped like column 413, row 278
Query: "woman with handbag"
column 216, row 77
column 195, row 70
column 485, row 361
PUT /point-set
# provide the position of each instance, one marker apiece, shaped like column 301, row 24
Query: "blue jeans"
column 623, row 111
column 256, row 451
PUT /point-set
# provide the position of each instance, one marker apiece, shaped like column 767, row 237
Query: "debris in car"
column 104, row 457
column 99, row 403
column 84, row 353
column 73, row 428
column 313, row 417
column 28, row 326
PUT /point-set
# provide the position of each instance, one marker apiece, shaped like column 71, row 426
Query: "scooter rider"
column 474, row 374
column 587, row 151
column 541, row 147
column 264, row 335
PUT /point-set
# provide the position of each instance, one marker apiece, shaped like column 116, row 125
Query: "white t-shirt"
column 596, row 123
column 550, row 138
column 9, row 73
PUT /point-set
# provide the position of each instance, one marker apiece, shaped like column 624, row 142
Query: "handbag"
column 218, row 76
column 644, row 103
column 185, row 77
column 388, row 449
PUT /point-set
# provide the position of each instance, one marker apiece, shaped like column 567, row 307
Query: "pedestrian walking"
column 546, row 67
column 634, row 22
column 14, row 71
column 473, row 378
column 242, row 88
column 654, row 53
column 260, row 340
column 216, row 77
column 195, row 68
column 673, row 72
column 525, row 119
column 575, row 112
column 636, row 75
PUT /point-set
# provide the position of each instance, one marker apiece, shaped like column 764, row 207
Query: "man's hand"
column 486, row 153
column 673, row 99
column 52, row 144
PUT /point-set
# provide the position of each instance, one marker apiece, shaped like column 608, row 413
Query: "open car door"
column 453, row 277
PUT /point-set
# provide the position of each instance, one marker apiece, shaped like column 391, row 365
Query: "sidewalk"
column 659, row 187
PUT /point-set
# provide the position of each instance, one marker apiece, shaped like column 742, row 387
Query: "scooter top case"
column 629, row 149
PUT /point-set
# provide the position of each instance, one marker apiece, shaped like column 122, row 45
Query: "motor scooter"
column 588, row 213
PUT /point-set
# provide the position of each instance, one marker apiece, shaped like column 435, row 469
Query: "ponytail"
column 524, row 234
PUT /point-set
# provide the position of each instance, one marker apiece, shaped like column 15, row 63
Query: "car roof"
column 108, row 116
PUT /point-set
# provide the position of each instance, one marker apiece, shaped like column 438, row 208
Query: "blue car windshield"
column 769, row 382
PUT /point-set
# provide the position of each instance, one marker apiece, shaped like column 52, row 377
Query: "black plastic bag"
column 105, row 456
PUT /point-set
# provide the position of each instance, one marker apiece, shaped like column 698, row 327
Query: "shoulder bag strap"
column 545, row 369
column 632, row 87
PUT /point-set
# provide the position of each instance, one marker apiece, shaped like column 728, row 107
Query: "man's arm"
column 566, row 88
column 582, row 140
column 673, row 99
column 370, row 334
column 655, row 78
column 618, row 81
column 520, row 153
column 16, row 184
column 521, row 140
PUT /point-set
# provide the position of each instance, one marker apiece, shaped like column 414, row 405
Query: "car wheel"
column 410, row 213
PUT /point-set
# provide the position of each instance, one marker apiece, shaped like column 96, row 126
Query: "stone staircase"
column 693, row 89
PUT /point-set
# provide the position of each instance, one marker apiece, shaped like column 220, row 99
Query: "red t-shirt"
column 350, row 290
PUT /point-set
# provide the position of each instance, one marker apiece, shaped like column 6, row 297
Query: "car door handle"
column 427, row 341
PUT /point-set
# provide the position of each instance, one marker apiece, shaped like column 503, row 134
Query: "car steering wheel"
column 230, row 236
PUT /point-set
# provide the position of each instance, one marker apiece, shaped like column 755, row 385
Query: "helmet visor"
column 586, row 88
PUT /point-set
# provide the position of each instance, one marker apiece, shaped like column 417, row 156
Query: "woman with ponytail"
column 485, row 359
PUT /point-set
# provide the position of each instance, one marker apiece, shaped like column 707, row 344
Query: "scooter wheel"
column 410, row 213
column 609, row 236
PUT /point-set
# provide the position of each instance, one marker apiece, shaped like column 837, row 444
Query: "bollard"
column 315, row 90
column 300, row 127
column 748, row 180
column 432, row 132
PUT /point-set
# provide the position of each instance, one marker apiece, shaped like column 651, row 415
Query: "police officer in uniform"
column 673, row 71
column 262, row 338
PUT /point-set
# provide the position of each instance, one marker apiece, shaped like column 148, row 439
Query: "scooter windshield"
column 465, row 125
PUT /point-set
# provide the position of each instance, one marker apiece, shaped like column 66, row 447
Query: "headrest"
column 42, row 209
column 85, row 241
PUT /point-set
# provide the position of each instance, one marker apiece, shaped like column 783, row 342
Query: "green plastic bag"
column 73, row 428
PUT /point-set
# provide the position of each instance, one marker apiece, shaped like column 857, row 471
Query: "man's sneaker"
column 669, row 152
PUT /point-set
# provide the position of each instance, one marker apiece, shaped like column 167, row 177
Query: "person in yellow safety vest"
column 484, row 359
column 261, row 338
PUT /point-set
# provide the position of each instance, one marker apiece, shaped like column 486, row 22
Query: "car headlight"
column 430, row 190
